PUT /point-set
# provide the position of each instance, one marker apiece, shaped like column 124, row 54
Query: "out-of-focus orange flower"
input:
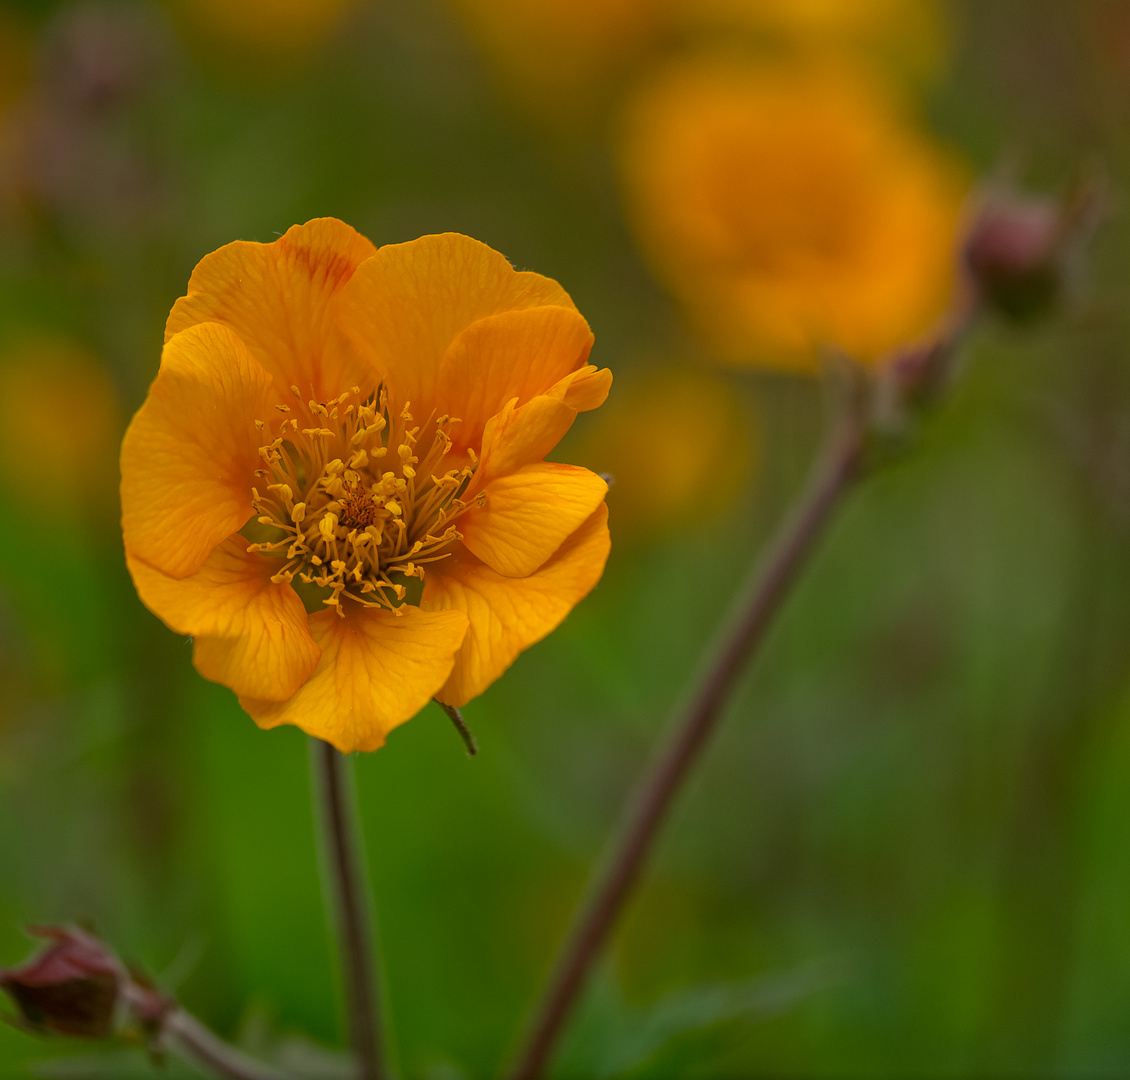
column 361, row 432
column 14, row 65
column 14, row 62
column 659, row 482
column 271, row 29
column 556, row 57
column 60, row 422
column 908, row 35
column 791, row 208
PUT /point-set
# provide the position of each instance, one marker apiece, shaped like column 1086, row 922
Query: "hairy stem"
column 196, row 1041
column 350, row 894
column 837, row 469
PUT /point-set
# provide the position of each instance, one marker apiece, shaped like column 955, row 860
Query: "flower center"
column 356, row 502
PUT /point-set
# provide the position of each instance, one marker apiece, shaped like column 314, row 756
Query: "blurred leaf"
column 632, row 1038
column 119, row 1064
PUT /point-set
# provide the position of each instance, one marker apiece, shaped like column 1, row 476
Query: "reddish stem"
column 837, row 469
column 346, row 864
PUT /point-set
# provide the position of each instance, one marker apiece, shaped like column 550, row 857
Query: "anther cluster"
column 355, row 502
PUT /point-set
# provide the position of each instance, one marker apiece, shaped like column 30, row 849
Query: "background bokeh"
column 908, row 852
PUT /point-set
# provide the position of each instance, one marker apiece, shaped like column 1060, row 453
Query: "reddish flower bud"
column 71, row 988
column 1014, row 254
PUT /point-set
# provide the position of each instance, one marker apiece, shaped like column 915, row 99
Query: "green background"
column 906, row 852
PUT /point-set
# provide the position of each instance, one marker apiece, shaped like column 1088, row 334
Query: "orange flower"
column 910, row 37
column 662, row 484
column 558, row 58
column 360, row 433
column 60, row 471
column 791, row 208
column 279, row 29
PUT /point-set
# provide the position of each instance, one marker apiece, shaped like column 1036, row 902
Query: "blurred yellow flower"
column 790, row 208
column 660, row 483
column 557, row 57
column 362, row 432
column 908, row 35
column 60, row 422
column 271, row 29
column 14, row 59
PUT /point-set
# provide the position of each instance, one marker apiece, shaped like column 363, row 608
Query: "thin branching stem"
column 346, row 864
column 838, row 467
column 195, row 1041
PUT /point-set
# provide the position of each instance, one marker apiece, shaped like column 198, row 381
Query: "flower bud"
column 71, row 988
column 1014, row 255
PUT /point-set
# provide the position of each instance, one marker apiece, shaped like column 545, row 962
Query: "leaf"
column 646, row 1033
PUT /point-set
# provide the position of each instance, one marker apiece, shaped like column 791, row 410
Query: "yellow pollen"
column 329, row 507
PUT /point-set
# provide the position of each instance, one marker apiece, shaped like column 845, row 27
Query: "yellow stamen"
column 327, row 495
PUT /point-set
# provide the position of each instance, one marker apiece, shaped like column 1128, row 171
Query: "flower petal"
column 521, row 435
column 529, row 514
column 584, row 389
column 190, row 454
column 377, row 670
column 251, row 635
column 276, row 297
column 507, row 614
column 516, row 354
column 404, row 307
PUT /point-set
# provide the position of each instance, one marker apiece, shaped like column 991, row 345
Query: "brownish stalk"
column 197, row 1042
column 348, row 884
column 838, row 467
column 77, row 987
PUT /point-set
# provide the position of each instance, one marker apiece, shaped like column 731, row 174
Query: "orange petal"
column 516, row 354
column 190, row 454
column 251, row 635
column 507, row 614
column 404, row 307
column 277, row 298
column 377, row 670
column 584, row 389
column 528, row 515
column 519, row 436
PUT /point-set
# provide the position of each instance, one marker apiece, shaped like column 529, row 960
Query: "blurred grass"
column 923, row 784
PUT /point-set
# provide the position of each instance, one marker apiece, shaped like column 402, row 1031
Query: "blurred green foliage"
column 906, row 853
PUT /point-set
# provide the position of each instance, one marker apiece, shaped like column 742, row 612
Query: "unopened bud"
column 72, row 988
column 1014, row 254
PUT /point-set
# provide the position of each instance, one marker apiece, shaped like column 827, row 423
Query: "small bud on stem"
column 72, row 988
column 1018, row 250
column 77, row 987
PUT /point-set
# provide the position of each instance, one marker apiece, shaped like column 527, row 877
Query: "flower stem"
column 350, row 893
column 209, row 1050
column 837, row 469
